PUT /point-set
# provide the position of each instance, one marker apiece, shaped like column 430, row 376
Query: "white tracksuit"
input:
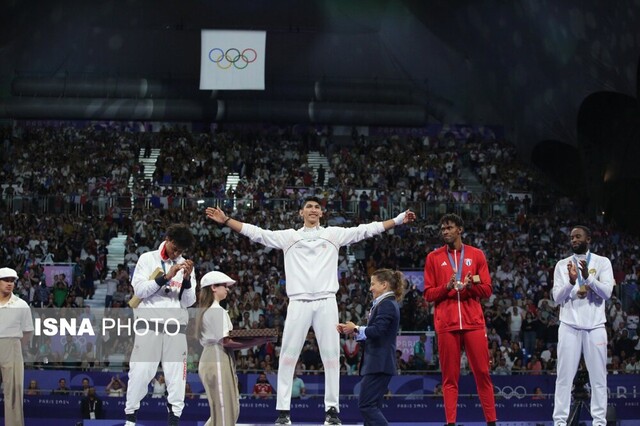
column 582, row 322
column 151, row 349
column 311, row 270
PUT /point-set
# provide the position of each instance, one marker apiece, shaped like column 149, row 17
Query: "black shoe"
column 284, row 418
column 130, row 419
column 173, row 420
column 331, row 417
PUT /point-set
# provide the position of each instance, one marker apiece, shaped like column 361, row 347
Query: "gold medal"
column 582, row 291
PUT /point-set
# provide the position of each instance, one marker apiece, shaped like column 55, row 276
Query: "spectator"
column 517, row 366
column 159, row 386
column 60, row 293
column 119, row 295
column 351, row 349
column 401, row 364
column 262, row 389
column 502, row 369
column 84, row 390
column 530, row 328
column 420, row 353
column 632, row 366
column 534, row 366
column 62, row 388
column 437, row 390
column 493, row 336
column 116, row 387
column 112, row 285
column 538, row 394
column 33, row 388
column 188, row 393
column 516, row 315
column 298, row 389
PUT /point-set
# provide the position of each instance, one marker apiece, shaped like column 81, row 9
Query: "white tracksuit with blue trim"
column 582, row 322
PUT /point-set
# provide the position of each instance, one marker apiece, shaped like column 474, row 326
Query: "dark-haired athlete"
column 310, row 265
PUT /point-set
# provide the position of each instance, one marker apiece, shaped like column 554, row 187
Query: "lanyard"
column 454, row 263
column 164, row 259
column 580, row 279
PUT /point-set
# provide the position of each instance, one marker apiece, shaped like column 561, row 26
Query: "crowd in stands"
column 522, row 242
column 79, row 166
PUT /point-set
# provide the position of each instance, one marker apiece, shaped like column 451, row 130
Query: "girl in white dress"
column 217, row 368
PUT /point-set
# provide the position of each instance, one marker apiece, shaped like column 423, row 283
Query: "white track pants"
column 323, row 316
column 571, row 344
column 149, row 350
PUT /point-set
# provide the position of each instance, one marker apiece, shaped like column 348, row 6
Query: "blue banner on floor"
column 310, row 410
column 411, row 399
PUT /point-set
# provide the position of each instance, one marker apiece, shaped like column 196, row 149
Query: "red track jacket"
column 456, row 310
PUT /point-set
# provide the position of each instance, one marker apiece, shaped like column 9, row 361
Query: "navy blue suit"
column 378, row 359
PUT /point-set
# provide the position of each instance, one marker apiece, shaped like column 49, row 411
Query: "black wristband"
column 186, row 283
column 161, row 280
column 226, row 220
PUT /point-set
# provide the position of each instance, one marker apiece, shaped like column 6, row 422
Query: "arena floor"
column 48, row 422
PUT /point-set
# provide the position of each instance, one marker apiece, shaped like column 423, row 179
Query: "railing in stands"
column 116, row 206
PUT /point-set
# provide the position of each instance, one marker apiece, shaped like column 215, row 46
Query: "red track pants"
column 476, row 347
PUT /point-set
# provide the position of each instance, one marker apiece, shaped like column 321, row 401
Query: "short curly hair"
column 452, row 217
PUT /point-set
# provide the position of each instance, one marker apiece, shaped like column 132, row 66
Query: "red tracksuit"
column 459, row 321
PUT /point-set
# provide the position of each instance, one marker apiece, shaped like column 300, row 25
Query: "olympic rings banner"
column 232, row 60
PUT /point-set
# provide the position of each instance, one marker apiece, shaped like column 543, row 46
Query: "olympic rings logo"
column 508, row 392
column 232, row 57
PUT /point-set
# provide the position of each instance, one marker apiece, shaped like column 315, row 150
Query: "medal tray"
column 254, row 332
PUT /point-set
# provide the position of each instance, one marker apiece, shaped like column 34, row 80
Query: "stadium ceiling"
column 527, row 65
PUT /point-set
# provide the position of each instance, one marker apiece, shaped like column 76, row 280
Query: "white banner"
column 232, row 60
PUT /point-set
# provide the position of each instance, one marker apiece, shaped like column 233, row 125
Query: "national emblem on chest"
column 312, row 247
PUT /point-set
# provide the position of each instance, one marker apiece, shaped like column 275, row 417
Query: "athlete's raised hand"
column 216, row 214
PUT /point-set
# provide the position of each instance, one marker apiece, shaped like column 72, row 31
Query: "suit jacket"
column 379, row 354
column 86, row 406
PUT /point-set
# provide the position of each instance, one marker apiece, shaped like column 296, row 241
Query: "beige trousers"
column 12, row 366
column 217, row 371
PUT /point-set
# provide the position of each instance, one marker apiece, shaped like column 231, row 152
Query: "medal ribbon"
column 454, row 263
column 575, row 259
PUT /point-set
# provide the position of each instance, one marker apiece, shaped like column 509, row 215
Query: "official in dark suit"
column 379, row 336
column 91, row 405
